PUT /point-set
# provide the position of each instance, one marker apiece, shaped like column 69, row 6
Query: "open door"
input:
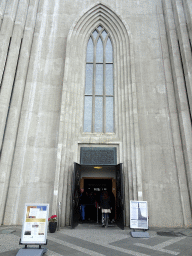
column 75, row 186
column 120, row 196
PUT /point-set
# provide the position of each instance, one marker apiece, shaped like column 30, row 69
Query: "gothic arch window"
column 99, row 93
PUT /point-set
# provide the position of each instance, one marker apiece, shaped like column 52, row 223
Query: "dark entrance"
column 97, row 185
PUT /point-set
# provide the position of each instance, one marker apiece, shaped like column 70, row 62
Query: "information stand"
column 139, row 218
column 34, row 231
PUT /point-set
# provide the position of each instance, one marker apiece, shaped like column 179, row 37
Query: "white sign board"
column 138, row 215
column 35, row 224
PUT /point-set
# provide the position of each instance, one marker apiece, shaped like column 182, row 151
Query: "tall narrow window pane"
column 98, row 114
column 99, row 51
column 104, row 34
column 89, row 79
column 99, row 28
column 95, row 33
column 90, row 50
column 99, row 91
column 109, row 79
column 109, row 114
column 88, row 114
column 109, row 51
column 99, row 79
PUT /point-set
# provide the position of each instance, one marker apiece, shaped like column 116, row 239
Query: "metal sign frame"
column 35, row 224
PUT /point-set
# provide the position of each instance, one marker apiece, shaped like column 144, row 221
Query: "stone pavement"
column 94, row 240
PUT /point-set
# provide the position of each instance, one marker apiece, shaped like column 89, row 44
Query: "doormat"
column 7, row 231
column 170, row 233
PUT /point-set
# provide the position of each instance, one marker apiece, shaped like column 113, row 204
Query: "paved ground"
column 94, row 240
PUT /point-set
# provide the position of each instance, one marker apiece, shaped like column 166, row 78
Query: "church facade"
column 98, row 84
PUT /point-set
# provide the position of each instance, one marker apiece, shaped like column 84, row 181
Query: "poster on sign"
column 35, row 224
column 138, row 215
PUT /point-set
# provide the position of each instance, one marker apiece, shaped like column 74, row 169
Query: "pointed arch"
column 71, row 118
column 98, row 15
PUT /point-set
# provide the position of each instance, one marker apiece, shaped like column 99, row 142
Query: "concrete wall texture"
column 42, row 80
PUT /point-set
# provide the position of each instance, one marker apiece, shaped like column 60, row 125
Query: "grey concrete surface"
column 90, row 239
column 42, row 84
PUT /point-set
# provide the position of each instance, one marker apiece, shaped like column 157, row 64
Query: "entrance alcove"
column 111, row 179
column 95, row 179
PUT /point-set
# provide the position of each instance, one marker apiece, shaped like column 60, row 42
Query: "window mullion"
column 104, row 89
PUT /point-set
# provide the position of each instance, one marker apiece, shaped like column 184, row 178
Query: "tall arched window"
column 99, row 95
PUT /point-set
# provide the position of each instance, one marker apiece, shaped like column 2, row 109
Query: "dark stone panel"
column 98, row 156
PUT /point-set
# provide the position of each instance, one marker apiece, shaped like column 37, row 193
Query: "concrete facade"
column 42, row 83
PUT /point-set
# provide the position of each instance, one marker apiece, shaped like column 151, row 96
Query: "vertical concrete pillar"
column 16, row 103
column 183, row 37
column 2, row 9
column 125, row 119
column 187, row 4
column 126, row 137
column 174, row 125
column 6, row 31
column 9, row 74
column 137, row 146
column 180, row 91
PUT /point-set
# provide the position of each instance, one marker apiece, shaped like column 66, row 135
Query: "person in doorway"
column 105, row 206
column 91, row 206
column 83, row 202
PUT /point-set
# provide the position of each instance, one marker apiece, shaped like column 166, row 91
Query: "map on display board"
column 138, row 215
column 35, row 224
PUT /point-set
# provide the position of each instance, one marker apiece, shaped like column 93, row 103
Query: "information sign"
column 138, row 215
column 35, row 224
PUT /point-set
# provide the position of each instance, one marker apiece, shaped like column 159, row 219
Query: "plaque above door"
column 98, row 156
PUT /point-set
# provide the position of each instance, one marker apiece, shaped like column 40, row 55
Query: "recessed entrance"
column 94, row 180
column 93, row 188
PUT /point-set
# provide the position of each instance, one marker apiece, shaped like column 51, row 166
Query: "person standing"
column 105, row 207
column 83, row 202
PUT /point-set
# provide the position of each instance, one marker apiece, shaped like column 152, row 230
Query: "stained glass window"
column 99, row 93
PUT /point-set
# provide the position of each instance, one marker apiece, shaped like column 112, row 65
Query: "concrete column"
column 16, row 103
column 6, row 31
column 2, row 9
column 9, row 74
column 180, row 91
column 127, row 163
column 187, row 4
column 137, row 146
column 132, row 133
column 185, row 48
column 174, row 125
column 124, row 121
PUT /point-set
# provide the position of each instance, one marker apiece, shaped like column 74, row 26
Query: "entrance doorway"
column 91, row 180
column 94, row 188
